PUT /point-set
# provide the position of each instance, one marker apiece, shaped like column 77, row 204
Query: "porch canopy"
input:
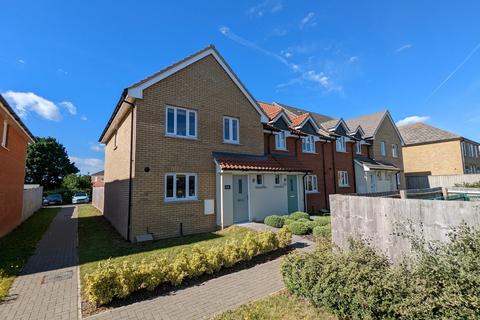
column 372, row 164
column 245, row 162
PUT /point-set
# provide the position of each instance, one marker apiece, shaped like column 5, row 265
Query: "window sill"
column 180, row 137
column 231, row 142
column 312, row 192
column 278, row 186
column 309, row 152
column 260, row 187
column 339, row 151
column 283, row 150
column 173, row 201
column 345, row 186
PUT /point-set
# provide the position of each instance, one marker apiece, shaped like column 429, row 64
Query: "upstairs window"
column 181, row 122
column 395, row 150
column 383, row 149
column 5, row 134
column 358, row 146
column 230, row 130
column 311, row 183
column 180, row 186
column 280, row 141
column 308, row 144
column 341, row 144
column 343, row 178
column 259, row 180
column 278, row 179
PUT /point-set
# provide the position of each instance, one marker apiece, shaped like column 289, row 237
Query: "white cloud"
column 83, row 118
column 267, row 6
column 21, row 61
column 353, row 59
column 25, row 102
column 404, row 47
column 308, row 21
column 97, row 147
column 412, row 120
column 69, row 106
column 87, row 165
column 61, row 71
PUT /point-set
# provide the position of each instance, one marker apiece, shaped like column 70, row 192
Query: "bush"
column 111, row 281
column 299, row 215
column 441, row 281
column 321, row 221
column 299, row 227
column 274, row 221
column 322, row 231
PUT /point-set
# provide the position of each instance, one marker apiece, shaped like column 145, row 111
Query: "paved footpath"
column 213, row 296
column 47, row 287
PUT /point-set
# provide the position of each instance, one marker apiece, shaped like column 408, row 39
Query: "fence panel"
column 98, row 195
column 32, row 200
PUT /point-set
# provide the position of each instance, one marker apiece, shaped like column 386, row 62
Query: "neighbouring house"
column 185, row 154
column 97, row 179
column 379, row 158
column 14, row 138
column 432, row 151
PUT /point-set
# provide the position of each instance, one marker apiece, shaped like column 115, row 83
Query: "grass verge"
column 277, row 306
column 17, row 246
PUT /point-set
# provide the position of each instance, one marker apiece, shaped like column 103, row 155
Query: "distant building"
column 97, row 179
column 433, row 151
column 14, row 138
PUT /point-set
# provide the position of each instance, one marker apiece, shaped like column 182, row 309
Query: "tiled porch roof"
column 376, row 164
column 232, row 161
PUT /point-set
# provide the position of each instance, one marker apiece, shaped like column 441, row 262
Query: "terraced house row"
column 189, row 150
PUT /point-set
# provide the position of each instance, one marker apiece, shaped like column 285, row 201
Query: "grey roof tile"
column 424, row 133
column 369, row 122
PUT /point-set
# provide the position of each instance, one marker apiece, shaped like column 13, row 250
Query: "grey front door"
column 292, row 194
column 240, row 199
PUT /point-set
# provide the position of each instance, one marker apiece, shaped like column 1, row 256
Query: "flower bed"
column 110, row 280
column 300, row 223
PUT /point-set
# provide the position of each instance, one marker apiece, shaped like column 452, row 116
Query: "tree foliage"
column 48, row 163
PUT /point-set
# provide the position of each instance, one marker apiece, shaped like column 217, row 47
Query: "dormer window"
column 341, row 144
column 280, row 141
column 308, row 144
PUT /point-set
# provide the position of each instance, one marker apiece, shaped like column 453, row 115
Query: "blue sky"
column 64, row 63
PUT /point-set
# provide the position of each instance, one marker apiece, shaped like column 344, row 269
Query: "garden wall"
column 383, row 220
column 32, row 200
column 97, row 197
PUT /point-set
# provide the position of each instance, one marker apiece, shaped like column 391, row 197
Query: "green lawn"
column 98, row 241
column 279, row 306
column 19, row 245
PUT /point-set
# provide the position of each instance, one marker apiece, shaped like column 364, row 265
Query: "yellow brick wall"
column 205, row 87
column 441, row 158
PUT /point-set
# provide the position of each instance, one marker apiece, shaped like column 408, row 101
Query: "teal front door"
column 292, row 194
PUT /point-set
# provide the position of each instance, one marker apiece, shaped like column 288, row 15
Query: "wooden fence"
column 426, row 181
column 98, row 197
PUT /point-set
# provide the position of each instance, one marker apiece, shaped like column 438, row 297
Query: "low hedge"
column 111, row 280
column 322, row 231
column 299, row 215
column 299, row 227
column 440, row 281
column 274, row 221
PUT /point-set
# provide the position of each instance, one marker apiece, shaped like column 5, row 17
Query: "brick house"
column 433, row 151
column 14, row 138
column 184, row 154
column 379, row 166
column 97, row 179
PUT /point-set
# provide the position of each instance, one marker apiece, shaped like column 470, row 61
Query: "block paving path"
column 47, row 287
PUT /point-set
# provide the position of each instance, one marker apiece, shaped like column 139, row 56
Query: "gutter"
column 129, row 219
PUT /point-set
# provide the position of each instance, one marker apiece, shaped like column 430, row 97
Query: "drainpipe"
column 129, row 221
column 304, row 192
column 327, row 203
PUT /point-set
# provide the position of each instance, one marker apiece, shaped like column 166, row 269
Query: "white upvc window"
column 383, row 149
column 341, row 144
column 181, row 186
column 231, row 130
column 343, row 178
column 181, row 122
column 308, row 144
column 259, row 180
column 395, row 150
column 5, row 134
column 311, row 184
column 280, row 141
column 278, row 179
column 358, row 146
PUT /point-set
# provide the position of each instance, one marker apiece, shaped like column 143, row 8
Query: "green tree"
column 75, row 182
column 48, row 163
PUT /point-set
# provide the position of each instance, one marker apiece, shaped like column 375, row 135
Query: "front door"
column 373, row 182
column 240, row 199
column 292, row 194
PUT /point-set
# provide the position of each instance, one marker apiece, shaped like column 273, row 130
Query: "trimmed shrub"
column 321, row 221
column 111, row 280
column 322, row 231
column 441, row 280
column 299, row 215
column 299, row 227
column 274, row 221
column 287, row 220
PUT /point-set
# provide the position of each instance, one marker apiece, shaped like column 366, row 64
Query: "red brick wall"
column 325, row 164
column 12, row 175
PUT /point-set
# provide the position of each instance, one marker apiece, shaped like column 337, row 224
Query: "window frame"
column 187, row 187
column 343, row 180
column 358, row 146
column 279, row 179
column 312, row 178
column 383, row 148
column 311, row 141
column 395, row 153
column 175, row 134
column 4, row 141
column 277, row 139
column 343, row 144
column 230, row 130
column 262, row 180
